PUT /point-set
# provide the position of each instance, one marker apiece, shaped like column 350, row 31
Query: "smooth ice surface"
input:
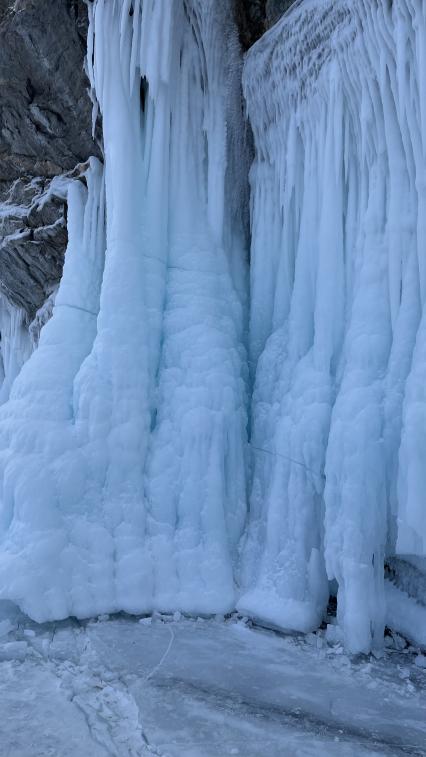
column 123, row 445
column 202, row 689
column 336, row 99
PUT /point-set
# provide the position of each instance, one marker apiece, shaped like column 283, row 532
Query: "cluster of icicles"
column 130, row 476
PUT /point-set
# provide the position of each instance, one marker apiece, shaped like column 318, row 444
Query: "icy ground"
column 197, row 688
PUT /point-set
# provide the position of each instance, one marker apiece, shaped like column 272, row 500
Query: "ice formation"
column 15, row 345
column 124, row 445
column 336, row 97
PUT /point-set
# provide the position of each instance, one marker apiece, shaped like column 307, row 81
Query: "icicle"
column 332, row 370
column 15, row 345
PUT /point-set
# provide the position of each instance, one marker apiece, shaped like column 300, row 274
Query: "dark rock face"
column 254, row 17
column 45, row 112
column 33, row 239
column 250, row 18
column 32, row 245
column 45, row 130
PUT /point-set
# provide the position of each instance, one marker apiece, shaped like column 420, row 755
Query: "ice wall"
column 336, row 96
column 122, row 448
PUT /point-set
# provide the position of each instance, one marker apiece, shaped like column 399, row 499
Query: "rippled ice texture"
column 123, row 445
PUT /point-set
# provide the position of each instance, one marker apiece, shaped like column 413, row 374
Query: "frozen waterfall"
column 184, row 438
column 337, row 100
column 15, row 345
column 123, row 445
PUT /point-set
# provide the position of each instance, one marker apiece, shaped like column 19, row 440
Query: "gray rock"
column 254, row 17
column 275, row 9
column 45, row 130
column 45, row 111
column 32, row 246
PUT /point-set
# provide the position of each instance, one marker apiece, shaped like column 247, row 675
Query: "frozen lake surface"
column 187, row 688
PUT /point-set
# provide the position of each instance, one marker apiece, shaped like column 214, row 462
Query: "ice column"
column 40, row 470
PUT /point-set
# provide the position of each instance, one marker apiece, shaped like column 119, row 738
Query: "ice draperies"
column 336, row 97
column 123, row 446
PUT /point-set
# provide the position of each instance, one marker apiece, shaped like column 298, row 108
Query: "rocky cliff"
column 45, row 131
